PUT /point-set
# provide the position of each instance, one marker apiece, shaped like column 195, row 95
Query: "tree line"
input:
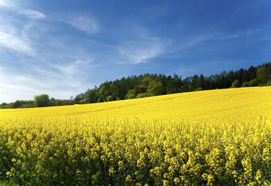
column 42, row 100
column 156, row 84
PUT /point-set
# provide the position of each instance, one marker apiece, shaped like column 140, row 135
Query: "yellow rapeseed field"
column 217, row 137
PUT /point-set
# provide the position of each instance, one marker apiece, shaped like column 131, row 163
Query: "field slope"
column 242, row 104
column 216, row 137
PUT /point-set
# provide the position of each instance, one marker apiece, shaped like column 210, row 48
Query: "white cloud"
column 2, row 2
column 17, row 86
column 230, row 36
column 193, row 42
column 5, row 3
column 182, row 48
column 25, row 85
column 33, row 14
column 135, row 52
column 15, row 43
column 77, row 67
column 244, row 33
column 85, row 24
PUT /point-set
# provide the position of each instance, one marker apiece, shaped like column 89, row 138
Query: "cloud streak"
column 33, row 14
column 6, row 3
column 76, row 67
column 15, row 44
column 195, row 41
column 85, row 24
column 135, row 52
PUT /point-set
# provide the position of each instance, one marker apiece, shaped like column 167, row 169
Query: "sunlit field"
column 217, row 137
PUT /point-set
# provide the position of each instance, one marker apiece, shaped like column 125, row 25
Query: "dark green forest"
column 156, row 84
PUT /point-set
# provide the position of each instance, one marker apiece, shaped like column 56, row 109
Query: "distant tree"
column 252, row 72
column 145, row 82
column 245, row 84
column 231, row 77
column 186, row 85
column 163, row 79
column 236, row 84
column 58, row 102
column 253, row 82
column 201, row 82
column 173, row 84
column 41, row 100
column 131, row 94
column 3, row 104
column 6, row 105
column 102, row 91
column 194, row 82
column 67, row 102
column 92, row 96
column 262, row 75
column 224, row 81
column 17, row 104
column 143, row 95
column 52, row 102
column 208, row 83
column 100, row 99
column 170, row 87
column 155, row 88
column 110, row 98
column 114, row 90
column 83, row 101
column 79, row 97
column 268, row 67
column 240, row 75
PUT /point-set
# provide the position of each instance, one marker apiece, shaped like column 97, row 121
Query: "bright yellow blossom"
column 201, row 138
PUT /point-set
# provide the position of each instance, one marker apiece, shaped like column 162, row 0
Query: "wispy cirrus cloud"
column 195, row 41
column 140, row 45
column 15, row 44
column 230, row 36
column 6, row 3
column 14, row 31
column 75, row 67
column 135, row 52
column 84, row 23
column 25, row 85
column 33, row 14
column 2, row 3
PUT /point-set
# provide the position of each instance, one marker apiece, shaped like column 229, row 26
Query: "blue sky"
column 62, row 48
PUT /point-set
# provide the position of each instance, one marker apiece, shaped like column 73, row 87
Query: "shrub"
column 131, row 94
column 254, row 82
column 110, row 98
column 245, row 84
column 235, row 84
column 143, row 95
column 82, row 101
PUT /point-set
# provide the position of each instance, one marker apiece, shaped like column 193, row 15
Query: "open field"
column 242, row 104
column 217, row 137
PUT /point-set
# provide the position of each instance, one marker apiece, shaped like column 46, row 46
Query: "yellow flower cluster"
column 219, row 137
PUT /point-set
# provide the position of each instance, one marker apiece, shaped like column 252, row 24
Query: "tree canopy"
column 41, row 100
column 159, row 84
